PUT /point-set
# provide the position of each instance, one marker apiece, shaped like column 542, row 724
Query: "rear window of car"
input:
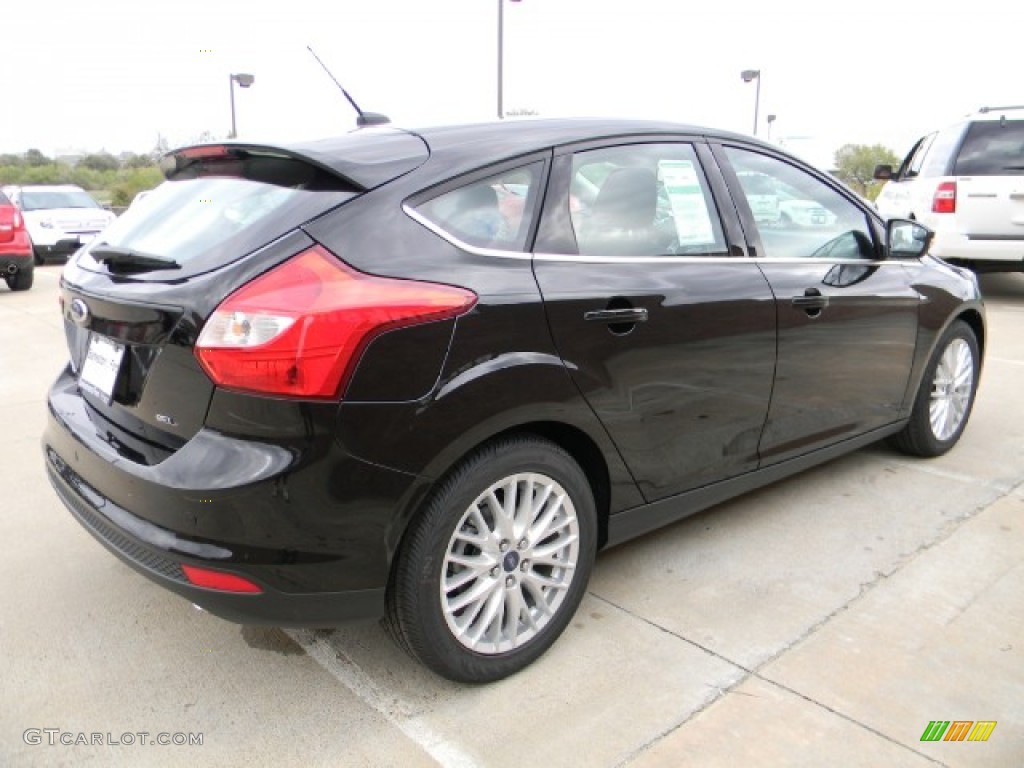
column 494, row 212
column 220, row 213
column 4, row 200
column 50, row 199
column 992, row 148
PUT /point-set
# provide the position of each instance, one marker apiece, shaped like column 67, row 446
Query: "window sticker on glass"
column 686, row 199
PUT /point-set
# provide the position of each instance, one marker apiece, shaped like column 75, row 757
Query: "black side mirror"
column 883, row 172
column 906, row 238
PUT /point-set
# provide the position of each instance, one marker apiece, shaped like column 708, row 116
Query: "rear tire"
column 946, row 395
column 493, row 569
column 20, row 280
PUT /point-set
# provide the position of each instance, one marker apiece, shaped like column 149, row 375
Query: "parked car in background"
column 427, row 375
column 60, row 218
column 966, row 182
column 16, row 264
column 139, row 198
column 762, row 196
column 804, row 213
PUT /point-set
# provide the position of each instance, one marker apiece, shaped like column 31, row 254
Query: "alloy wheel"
column 951, row 389
column 509, row 563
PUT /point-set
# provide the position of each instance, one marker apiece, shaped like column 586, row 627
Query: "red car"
column 16, row 263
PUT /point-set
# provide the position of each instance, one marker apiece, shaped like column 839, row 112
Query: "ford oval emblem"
column 80, row 311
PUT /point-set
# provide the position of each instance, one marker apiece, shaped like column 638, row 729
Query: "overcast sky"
column 112, row 74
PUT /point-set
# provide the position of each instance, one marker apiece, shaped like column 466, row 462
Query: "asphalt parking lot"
column 825, row 620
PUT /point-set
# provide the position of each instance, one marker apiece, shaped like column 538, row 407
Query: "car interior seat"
column 478, row 216
column 622, row 220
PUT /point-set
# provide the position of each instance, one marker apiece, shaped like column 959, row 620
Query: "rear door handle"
column 810, row 302
column 627, row 315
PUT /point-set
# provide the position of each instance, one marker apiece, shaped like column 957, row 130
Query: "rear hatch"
column 135, row 300
column 990, row 181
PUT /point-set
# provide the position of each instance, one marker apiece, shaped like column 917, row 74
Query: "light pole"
column 754, row 74
column 244, row 81
column 770, row 119
column 501, row 55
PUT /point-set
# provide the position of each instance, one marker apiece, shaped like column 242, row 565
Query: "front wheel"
column 492, row 571
column 946, row 395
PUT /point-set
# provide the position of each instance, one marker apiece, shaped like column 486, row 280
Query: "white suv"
column 60, row 219
column 966, row 182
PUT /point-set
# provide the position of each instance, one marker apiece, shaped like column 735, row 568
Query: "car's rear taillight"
column 9, row 228
column 299, row 329
column 945, row 198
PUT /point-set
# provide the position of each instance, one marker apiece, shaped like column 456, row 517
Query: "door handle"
column 812, row 302
column 627, row 315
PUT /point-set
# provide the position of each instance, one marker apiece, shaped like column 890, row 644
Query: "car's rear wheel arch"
column 584, row 452
column 574, row 441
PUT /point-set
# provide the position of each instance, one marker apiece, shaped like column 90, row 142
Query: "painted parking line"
column 348, row 673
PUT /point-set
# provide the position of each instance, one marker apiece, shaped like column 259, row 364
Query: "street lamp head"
column 770, row 119
column 243, row 80
column 750, row 74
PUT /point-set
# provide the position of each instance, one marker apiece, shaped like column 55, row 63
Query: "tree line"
column 855, row 164
column 114, row 180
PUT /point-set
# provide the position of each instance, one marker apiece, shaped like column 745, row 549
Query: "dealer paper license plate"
column 103, row 361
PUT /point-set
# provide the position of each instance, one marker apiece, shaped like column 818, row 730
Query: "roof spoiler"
column 250, row 160
column 360, row 160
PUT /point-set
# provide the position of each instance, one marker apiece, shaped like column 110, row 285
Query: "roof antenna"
column 364, row 119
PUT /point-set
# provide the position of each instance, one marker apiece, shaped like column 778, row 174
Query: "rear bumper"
column 272, row 607
column 309, row 528
column 958, row 246
column 14, row 262
column 60, row 249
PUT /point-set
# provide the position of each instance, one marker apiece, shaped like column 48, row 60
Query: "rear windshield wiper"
column 116, row 256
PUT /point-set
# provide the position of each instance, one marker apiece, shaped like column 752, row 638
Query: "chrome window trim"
column 419, row 218
column 706, row 260
column 575, row 258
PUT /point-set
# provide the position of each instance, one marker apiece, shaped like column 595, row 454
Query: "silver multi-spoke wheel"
column 945, row 395
column 509, row 563
column 951, row 389
column 495, row 564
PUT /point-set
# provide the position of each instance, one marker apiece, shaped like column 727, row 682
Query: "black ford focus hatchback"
column 427, row 375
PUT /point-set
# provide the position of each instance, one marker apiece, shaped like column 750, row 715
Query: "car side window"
column 643, row 200
column 939, row 160
column 914, row 167
column 489, row 213
column 798, row 215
